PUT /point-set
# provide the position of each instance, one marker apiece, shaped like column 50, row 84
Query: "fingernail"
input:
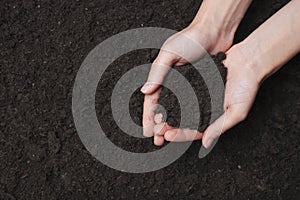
column 147, row 132
column 208, row 143
column 158, row 118
column 160, row 129
column 147, row 86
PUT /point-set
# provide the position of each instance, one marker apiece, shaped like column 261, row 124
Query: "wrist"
column 250, row 57
column 225, row 15
column 215, row 38
column 209, row 20
column 241, row 57
column 220, row 17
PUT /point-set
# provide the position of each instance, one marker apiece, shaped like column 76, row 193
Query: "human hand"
column 253, row 60
column 242, row 84
column 250, row 62
column 182, row 43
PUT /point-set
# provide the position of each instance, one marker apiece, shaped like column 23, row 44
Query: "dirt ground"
column 43, row 44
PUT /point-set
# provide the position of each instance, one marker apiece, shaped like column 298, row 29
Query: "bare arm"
column 253, row 60
column 275, row 42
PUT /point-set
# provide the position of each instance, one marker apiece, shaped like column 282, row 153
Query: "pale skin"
column 249, row 63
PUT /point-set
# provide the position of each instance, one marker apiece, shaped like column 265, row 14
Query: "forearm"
column 225, row 16
column 274, row 42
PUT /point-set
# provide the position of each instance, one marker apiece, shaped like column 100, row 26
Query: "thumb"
column 159, row 69
column 231, row 117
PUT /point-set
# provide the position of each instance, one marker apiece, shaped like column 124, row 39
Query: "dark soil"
column 43, row 44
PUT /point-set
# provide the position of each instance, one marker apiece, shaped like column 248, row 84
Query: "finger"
column 182, row 135
column 158, row 71
column 158, row 118
column 231, row 117
column 159, row 131
column 150, row 104
column 159, row 140
column 161, row 128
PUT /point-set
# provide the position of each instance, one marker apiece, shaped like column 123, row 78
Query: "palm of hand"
column 241, row 89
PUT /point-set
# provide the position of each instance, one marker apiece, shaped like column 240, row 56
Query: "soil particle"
column 39, row 62
column 35, row 152
column 221, row 56
column 6, row 196
column 53, row 143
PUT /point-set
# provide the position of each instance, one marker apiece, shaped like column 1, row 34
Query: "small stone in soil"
column 221, row 56
column 35, row 152
column 53, row 143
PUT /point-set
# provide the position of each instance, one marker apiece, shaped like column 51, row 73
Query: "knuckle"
column 169, row 136
column 154, row 98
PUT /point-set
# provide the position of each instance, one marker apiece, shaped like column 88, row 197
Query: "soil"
column 43, row 44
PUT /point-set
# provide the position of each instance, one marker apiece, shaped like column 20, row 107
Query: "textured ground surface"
column 43, row 44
